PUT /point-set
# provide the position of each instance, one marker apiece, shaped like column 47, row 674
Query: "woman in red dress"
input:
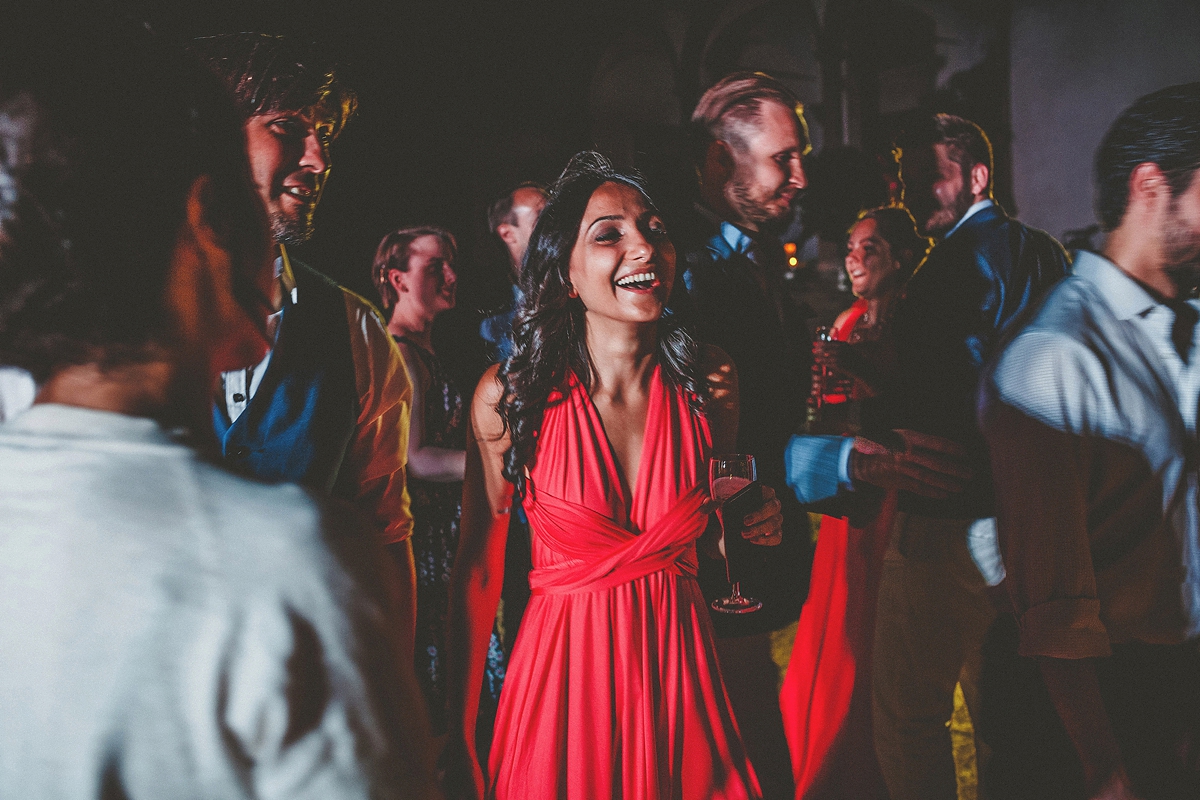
column 826, row 695
column 604, row 419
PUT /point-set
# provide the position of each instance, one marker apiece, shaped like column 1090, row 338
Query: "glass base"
column 736, row 605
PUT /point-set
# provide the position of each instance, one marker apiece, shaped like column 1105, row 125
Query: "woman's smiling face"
column 623, row 263
column 869, row 261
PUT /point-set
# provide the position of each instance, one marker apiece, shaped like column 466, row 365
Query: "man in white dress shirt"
column 1090, row 417
column 166, row 629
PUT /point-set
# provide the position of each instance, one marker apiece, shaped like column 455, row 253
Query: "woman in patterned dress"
column 414, row 273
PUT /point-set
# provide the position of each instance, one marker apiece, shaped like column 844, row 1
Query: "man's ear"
column 1146, row 183
column 197, row 223
column 980, row 180
column 506, row 233
column 200, row 289
column 396, row 278
column 718, row 163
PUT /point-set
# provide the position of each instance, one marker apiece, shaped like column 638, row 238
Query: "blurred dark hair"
column 549, row 331
column 501, row 211
column 274, row 73
column 896, row 226
column 966, row 143
column 103, row 131
column 392, row 253
column 739, row 98
column 1162, row 128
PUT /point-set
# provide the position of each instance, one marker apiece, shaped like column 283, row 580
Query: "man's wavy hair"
column 104, row 128
column 274, row 73
column 549, row 331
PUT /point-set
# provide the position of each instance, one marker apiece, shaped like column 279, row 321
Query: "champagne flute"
column 727, row 476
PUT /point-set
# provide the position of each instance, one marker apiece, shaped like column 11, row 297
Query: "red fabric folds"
column 580, row 533
column 826, row 694
column 613, row 689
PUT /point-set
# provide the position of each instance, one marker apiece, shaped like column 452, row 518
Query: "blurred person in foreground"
column 826, row 695
column 167, row 629
column 414, row 274
column 328, row 406
column 749, row 137
column 1090, row 416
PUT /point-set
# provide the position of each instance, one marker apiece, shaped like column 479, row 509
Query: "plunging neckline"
column 630, row 493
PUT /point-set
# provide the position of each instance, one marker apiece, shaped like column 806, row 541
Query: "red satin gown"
column 613, row 689
column 826, row 694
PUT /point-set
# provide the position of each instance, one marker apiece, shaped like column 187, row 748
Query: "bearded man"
column 750, row 137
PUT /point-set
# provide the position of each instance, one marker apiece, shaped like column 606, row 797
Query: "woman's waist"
column 553, row 573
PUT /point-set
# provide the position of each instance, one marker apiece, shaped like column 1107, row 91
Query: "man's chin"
column 290, row 230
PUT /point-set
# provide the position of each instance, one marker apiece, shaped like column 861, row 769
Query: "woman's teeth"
column 640, row 280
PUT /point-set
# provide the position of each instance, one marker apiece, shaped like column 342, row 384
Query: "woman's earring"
column 571, row 291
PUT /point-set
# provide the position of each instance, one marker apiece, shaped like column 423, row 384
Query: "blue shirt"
column 497, row 330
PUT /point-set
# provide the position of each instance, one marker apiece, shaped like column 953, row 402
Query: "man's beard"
column 1181, row 251
column 750, row 206
column 945, row 218
column 291, row 230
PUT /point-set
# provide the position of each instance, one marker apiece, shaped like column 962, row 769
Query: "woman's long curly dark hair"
column 549, row 340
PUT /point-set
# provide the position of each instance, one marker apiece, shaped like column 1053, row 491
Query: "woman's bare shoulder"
column 484, row 406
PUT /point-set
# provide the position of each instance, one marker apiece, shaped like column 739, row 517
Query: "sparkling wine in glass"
column 727, row 476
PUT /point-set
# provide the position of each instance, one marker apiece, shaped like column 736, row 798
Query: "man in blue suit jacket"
column 933, row 610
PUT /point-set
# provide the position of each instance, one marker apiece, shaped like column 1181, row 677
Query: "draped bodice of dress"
column 590, row 529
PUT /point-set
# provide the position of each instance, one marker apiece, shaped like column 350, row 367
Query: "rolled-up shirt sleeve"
column 818, row 466
column 1041, row 466
column 379, row 452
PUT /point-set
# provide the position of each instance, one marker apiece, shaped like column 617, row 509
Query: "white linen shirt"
column 1097, row 364
column 170, row 630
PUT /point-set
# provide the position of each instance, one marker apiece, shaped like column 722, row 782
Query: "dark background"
column 460, row 100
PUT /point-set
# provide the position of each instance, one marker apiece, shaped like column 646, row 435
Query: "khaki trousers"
column 932, row 618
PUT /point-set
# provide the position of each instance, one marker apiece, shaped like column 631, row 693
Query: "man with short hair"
column 933, row 610
column 167, row 629
column 750, row 138
column 329, row 405
column 1090, row 416
column 511, row 219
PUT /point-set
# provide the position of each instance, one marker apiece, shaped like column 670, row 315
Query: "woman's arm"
column 438, row 464
column 475, row 582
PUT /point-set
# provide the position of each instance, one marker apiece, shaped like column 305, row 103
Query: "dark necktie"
column 1184, row 327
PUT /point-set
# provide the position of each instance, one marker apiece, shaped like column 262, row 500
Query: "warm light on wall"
column 792, row 261
column 789, row 248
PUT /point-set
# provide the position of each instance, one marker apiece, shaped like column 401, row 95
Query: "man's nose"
column 315, row 158
column 796, row 177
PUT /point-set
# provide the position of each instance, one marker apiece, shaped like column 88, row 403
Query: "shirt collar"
column 738, row 240
column 283, row 269
column 1125, row 296
column 76, row 422
column 980, row 206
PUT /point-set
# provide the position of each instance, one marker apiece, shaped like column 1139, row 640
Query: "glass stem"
column 737, row 585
